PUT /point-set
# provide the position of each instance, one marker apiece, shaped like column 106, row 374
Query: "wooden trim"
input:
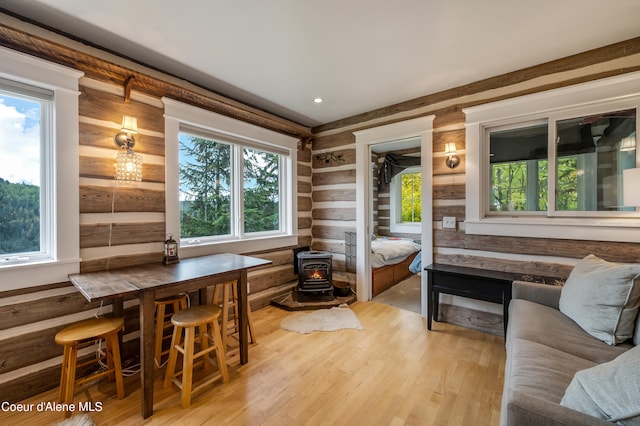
column 30, row 290
column 114, row 73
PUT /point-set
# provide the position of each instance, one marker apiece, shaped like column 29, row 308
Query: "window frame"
column 179, row 116
column 61, row 156
column 604, row 95
column 395, row 200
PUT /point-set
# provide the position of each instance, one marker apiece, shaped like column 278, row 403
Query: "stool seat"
column 205, row 319
column 91, row 329
column 196, row 315
column 88, row 329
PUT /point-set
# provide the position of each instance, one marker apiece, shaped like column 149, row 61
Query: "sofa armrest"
column 544, row 294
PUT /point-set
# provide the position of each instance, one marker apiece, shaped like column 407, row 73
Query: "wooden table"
column 480, row 284
column 154, row 281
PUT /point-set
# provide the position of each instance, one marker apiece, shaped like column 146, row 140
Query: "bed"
column 390, row 261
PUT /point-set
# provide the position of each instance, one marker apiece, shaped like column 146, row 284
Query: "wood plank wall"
column 121, row 224
column 536, row 257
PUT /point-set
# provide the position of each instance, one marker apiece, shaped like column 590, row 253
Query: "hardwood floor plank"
column 393, row 372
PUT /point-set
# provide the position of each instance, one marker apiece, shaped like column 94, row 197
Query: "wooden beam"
column 111, row 71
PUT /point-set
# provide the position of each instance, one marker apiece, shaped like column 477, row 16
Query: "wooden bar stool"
column 205, row 318
column 226, row 296
column 163, row 322
column 85, row 331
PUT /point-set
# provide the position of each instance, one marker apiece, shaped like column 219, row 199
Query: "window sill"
column 621, row 230
column 239, row 246
column 34, row 274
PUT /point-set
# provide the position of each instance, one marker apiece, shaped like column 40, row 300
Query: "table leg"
column 242, row 313
column 429, row 299
column 147, row 343
column 506, row 299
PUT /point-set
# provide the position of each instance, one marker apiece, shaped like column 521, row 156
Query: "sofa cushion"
column 609, row 391
column 636, row 336
column 550, row 327
column 603, row 298
column 536, row 377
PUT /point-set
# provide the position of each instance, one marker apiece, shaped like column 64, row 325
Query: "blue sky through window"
column 20, row 139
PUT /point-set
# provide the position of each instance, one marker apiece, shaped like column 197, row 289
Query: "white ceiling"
column 358, row 55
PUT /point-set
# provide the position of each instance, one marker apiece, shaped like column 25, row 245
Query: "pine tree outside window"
column 221, row 181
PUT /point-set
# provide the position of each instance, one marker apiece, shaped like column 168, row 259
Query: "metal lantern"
column 170, row 251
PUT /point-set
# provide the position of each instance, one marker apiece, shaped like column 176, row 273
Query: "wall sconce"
column 452, row 159
column 128, row 163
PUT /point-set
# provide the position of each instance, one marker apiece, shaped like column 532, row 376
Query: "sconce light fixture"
column 128, row 163
column 452, row 159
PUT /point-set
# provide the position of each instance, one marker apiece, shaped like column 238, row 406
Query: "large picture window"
column 232, row 184
column 24, row 131
column 221, row 180
column 551, row 164
column 39, row 199
column 590, row 154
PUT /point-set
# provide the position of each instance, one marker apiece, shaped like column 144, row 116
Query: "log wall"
column 545, row 260
column 29, row 358
column 122, row 224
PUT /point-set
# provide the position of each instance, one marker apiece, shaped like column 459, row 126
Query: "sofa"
column 568, row 368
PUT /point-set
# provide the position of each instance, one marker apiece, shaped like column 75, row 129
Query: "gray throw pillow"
column 636, row 336
column 603, row 298
column 609, row 391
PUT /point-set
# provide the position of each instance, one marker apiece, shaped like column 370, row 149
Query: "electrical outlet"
column 449, row 222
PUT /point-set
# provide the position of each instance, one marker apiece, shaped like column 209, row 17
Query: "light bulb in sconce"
column 128, row 163
column 450, row 151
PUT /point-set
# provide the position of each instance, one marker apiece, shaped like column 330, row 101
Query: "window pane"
column 518, row 169
column 592, row 152
column 20, row 192
column 261, row 191
column 412, row 197
column 205, row 187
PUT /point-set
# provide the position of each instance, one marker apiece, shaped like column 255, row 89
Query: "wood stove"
column 314, row 276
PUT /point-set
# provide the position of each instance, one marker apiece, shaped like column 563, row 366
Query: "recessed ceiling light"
column 318, row 100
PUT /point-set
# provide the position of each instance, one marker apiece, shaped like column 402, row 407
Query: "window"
column 208, row 202
column 236, row 183
column 39, row 222
column 550, row 164
column 406, row 201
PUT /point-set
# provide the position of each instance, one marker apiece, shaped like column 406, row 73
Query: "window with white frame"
column 234, row 182
column 551, row 164
column 406, row 201
column 39, row 221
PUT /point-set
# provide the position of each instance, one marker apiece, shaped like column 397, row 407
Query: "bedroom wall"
column 531, row 256
column 29, row 318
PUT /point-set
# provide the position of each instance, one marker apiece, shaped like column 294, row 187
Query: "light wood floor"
column 393, row 372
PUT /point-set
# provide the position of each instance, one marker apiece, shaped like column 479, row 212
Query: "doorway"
column 419, row 130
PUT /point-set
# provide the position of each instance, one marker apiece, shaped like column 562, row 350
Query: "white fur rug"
column 77, row 420
column 336, row 318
